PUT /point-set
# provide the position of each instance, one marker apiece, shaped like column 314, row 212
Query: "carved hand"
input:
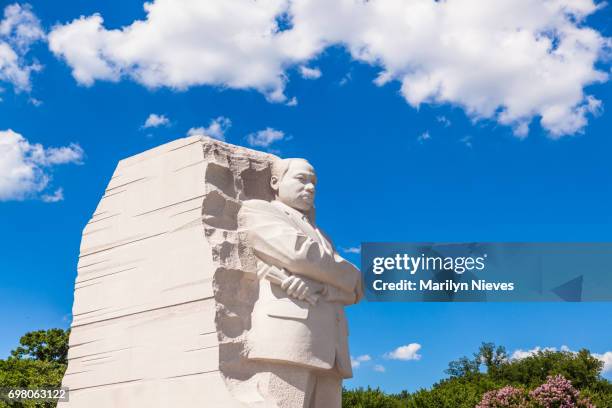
column 301, row 288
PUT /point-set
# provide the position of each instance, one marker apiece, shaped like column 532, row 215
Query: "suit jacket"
column 289, row 330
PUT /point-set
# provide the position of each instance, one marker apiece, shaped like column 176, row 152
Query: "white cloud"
column 521, row 129
column 310, row 73
column 199, row 131
column 19, row 29
column 356, row 362
column 443, row 120
column 510, row 60
column 58, row 195
column 57, row 155
column 352, row 250
column 520, row 354
column 606, row 357
column 607, row 360
column 379, row 368
column 406, row 353
column 216, row 129
column 25, row 168
column 345, row 79
column 292, row 102
column 265, row 138
column 182, row 43
column 467, row 141
column 20, row 26
column 423, row 137
column 154, row 120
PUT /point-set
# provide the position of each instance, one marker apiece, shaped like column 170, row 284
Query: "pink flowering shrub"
column 557, row 392
column 507, row 397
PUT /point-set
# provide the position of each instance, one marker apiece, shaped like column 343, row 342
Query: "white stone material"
column 147, row 330
column 203, row 281
column 298, row 341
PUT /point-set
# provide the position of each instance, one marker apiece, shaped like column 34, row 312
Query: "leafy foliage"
column 458, row 392
column 44, row 345
column 488, row 355
column 38, row 362
column 369, row 398
column 488, row 379
column 582, row 369
column 515, row 383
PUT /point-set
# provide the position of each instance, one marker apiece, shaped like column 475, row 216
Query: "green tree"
column 463, row 367
column 369, row 398
column 489, row 356
column 38, row 362
column 582, row 369
column 491, row 369
column 455, row 392
column 44, row 345
column 493, row 358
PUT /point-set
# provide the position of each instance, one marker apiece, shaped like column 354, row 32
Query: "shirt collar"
column 290, row 210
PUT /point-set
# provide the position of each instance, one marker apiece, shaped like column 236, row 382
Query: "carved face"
column 297, row 186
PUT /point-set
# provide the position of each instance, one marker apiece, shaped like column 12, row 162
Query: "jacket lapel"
column 300, row 221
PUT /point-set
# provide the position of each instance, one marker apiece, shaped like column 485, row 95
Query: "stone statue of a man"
column 298, row 330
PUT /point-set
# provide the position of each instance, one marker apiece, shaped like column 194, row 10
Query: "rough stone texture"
column 161, row 295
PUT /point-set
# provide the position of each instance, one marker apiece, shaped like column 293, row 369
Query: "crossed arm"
column 281, row 248
column 304, row 288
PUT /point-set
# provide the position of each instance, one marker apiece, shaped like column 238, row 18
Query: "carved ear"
column 274, row 183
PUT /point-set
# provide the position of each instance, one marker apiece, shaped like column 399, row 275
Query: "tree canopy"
column 490, row 369
column 43, row 345
column 38, row 362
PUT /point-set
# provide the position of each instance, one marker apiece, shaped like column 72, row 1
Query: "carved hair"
column 281, row 166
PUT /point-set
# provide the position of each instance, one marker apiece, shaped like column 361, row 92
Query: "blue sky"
column 439, row 152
